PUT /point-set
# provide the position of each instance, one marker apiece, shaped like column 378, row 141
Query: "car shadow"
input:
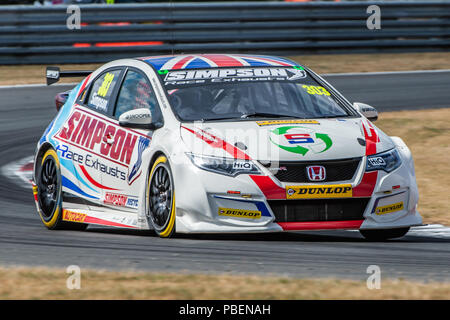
column 304, row 236
column 309, row 236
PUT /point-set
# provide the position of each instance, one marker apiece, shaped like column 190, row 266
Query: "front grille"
column 336, row 170
column 318, row 209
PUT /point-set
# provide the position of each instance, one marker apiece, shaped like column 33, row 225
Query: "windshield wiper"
column 251, row 115
column 219, row 118
column 334, row 116
column 267, row 115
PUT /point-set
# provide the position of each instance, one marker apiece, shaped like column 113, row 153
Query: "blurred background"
column 393, row 55
column 53, row 2
column 45, row 32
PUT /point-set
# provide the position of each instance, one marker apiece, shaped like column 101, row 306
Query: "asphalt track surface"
column 26, row 111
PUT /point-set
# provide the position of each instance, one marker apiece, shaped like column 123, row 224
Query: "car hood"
column 286, row 140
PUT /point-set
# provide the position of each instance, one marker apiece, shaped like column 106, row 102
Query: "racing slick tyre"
column 49, row 190
column 161, row 198
column 381, row 235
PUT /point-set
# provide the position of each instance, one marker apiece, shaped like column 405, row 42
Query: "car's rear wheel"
column 161, row 198
column 381, row 235
column 49, row 190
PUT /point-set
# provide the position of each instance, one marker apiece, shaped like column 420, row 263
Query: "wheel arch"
column 155, row 156
column 39, row 155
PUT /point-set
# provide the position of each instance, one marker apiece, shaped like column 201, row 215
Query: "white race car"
column 219, row 143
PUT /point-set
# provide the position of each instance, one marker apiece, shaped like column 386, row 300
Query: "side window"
column 136, row 93
column 102, row 89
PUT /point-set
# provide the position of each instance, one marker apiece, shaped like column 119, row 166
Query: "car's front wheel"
column 49, row 190
column 161, row 198
column 385, row 234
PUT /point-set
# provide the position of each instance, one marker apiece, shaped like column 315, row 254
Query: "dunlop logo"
column 240, row 213
column 319, row 192
column 389, row 208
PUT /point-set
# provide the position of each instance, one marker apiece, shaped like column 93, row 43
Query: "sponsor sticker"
column 73, row 216
column 216, row 75
column 289, row 73
column 319, row 192
column 115, row 199
column 300, row 140
column 98, row 102
column 316, row 90
column 104, row 88
column 247, row 165
column 133, row 203
column 88, row 132
column 275, row 122
column 120, row 200
column 137, row 116
column 389, row 208
column 240, row 213
column 90, row 161
column 376, row 161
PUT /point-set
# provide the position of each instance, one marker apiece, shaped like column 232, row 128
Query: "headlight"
column 387, row 161
column 227, row 166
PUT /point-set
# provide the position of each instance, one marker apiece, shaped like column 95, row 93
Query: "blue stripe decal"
column 71, row 168
column 44, row 136
column 159, row 61
column 70, row 185
column 197, row 63
column 259, row 204
column 276, row 59
column 254, row 63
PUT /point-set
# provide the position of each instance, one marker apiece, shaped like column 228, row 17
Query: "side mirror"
column 367, row 111
column 137, row 118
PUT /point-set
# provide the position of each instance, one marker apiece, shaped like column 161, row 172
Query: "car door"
column 129, row 143
column 88, row 143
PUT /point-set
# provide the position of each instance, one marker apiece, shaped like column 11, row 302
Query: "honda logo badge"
column 316, row 173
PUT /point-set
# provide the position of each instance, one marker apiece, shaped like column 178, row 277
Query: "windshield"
column 242, row 93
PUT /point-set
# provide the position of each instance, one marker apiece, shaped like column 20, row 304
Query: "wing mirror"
column 137, row 118
column 367, row 111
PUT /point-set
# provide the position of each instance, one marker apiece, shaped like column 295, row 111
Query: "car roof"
column 197, row 61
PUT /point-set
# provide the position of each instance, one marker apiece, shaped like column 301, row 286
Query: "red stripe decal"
column 130, row 183
column 93, row 220
column 181, row 63
column 216, row 142
column 91, row 180
column 371, row 139
column 223, row 60
column 83, row 85
column 321, row 225
column 269, row 60
column 268, row 187
column 367, row 185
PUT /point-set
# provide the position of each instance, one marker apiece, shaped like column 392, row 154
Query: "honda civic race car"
column 219, row 143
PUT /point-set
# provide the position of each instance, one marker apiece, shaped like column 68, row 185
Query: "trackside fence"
column 31, row 35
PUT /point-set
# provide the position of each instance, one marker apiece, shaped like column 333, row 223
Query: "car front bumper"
column 216, row 203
